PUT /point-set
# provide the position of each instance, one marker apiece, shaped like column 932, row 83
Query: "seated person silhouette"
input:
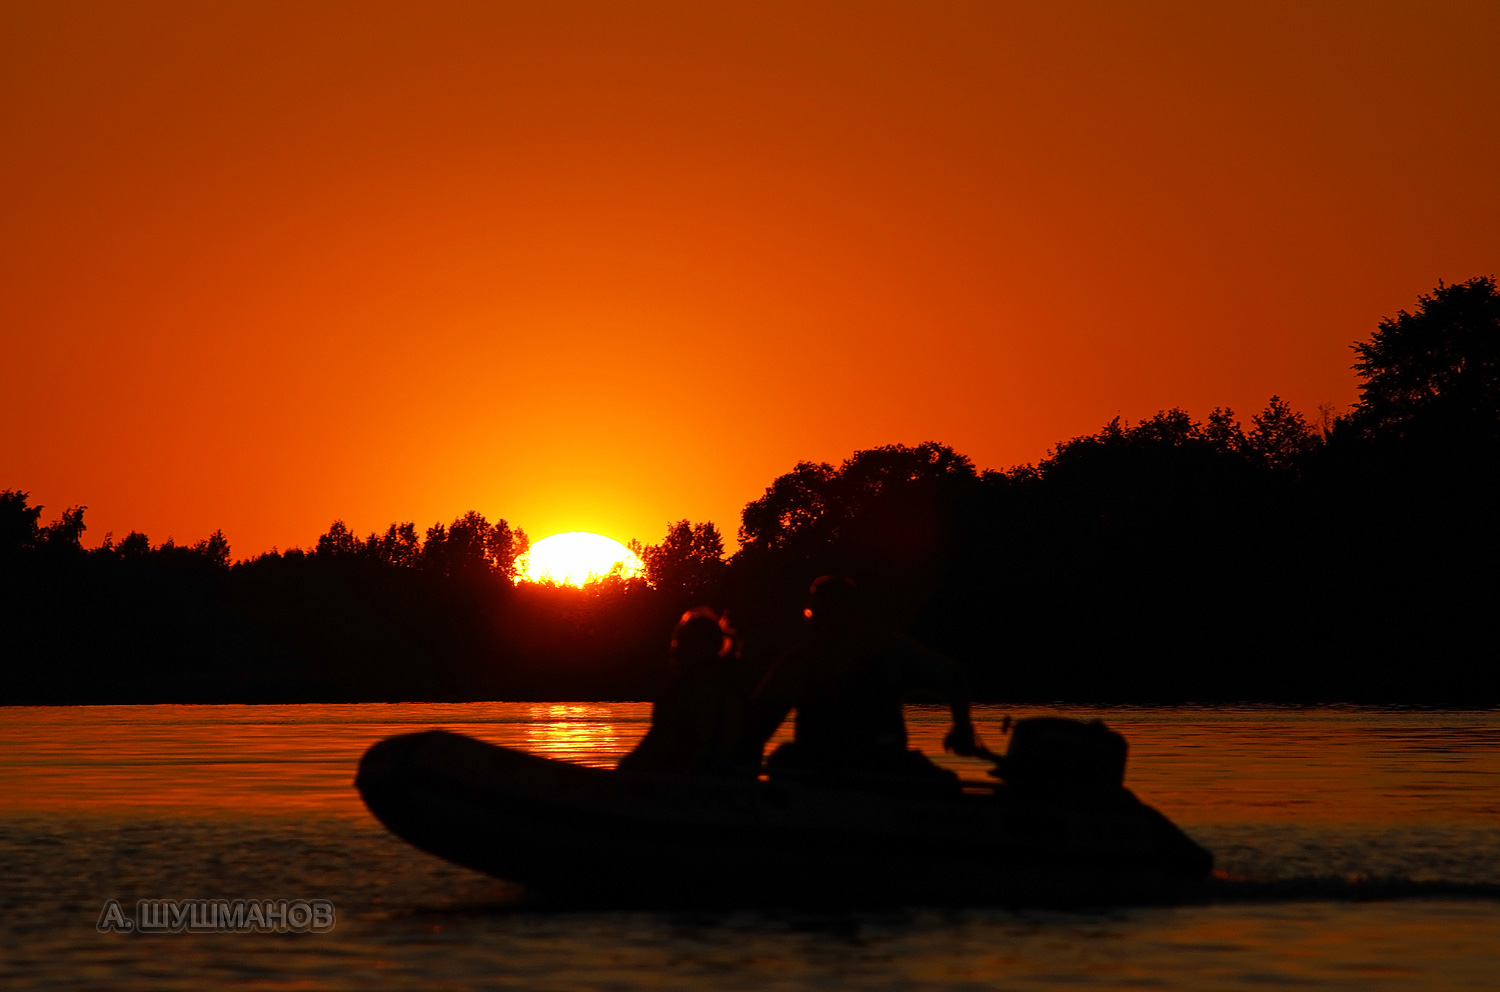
column 847, row 681
column 698, row 723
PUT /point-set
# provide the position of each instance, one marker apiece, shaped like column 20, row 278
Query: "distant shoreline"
column 1157, row 562
column 575, row 701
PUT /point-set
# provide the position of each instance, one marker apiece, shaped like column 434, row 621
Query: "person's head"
column 700, row 637
column 833, row 601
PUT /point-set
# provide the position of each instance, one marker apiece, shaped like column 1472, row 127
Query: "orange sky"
column 599, row 266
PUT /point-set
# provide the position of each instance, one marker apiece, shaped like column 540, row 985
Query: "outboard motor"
column 1054, row 750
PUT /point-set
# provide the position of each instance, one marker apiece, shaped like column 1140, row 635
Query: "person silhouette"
column 847, row 681
column 698, row 723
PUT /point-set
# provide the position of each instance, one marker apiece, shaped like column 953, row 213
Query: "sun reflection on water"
column 585, row 734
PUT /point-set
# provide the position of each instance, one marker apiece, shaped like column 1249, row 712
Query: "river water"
column 255, row 802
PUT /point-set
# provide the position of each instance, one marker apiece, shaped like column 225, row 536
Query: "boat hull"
column 580, row 836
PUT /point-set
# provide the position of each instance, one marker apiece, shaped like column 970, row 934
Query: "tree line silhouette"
column 1170, row 560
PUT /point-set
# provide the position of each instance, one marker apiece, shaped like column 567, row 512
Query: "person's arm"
column 945, row 678
column 960, row 739
column 773, row 699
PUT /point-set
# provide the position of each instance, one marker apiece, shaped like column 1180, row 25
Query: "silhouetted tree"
column 472, row 545
column 1281, row 435
column 816, row 503
column 1166, row 560
column 398, row 547
column 688, row 564
column 66, row 532
column 214, row 549
column 505, row 547
column 1152, row 460
column 1435, row 373
column 135, row 546
column 792, row 505
column 1173, row 428
column 466, row 549
column 338, row 542
column 18, row 522
column 1224, row 432
column 889, row 517
column 434, row 549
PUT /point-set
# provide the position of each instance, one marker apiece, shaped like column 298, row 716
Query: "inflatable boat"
column 577, row 836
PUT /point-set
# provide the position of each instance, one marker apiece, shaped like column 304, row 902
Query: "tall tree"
column 467, row 548
column 66, row 532
column 689, row 562
column 792, row 506
column 339, row 541
column 816, row 503
column 215, row 548
column 398, row 547
column 1280, row 435
column 1435, row 373
column 471, row 544
column 18, row 522
column 505, row 547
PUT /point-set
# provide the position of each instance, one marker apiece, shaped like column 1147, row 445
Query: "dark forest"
column 1271, row 559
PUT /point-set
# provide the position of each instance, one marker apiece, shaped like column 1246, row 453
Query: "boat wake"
column 1225, row 888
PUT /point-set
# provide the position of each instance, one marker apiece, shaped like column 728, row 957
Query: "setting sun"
column 574, row 557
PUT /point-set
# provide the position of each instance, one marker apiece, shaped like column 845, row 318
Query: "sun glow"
column 574, row 557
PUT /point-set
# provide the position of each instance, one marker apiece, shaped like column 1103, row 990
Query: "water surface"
column 247, row 802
